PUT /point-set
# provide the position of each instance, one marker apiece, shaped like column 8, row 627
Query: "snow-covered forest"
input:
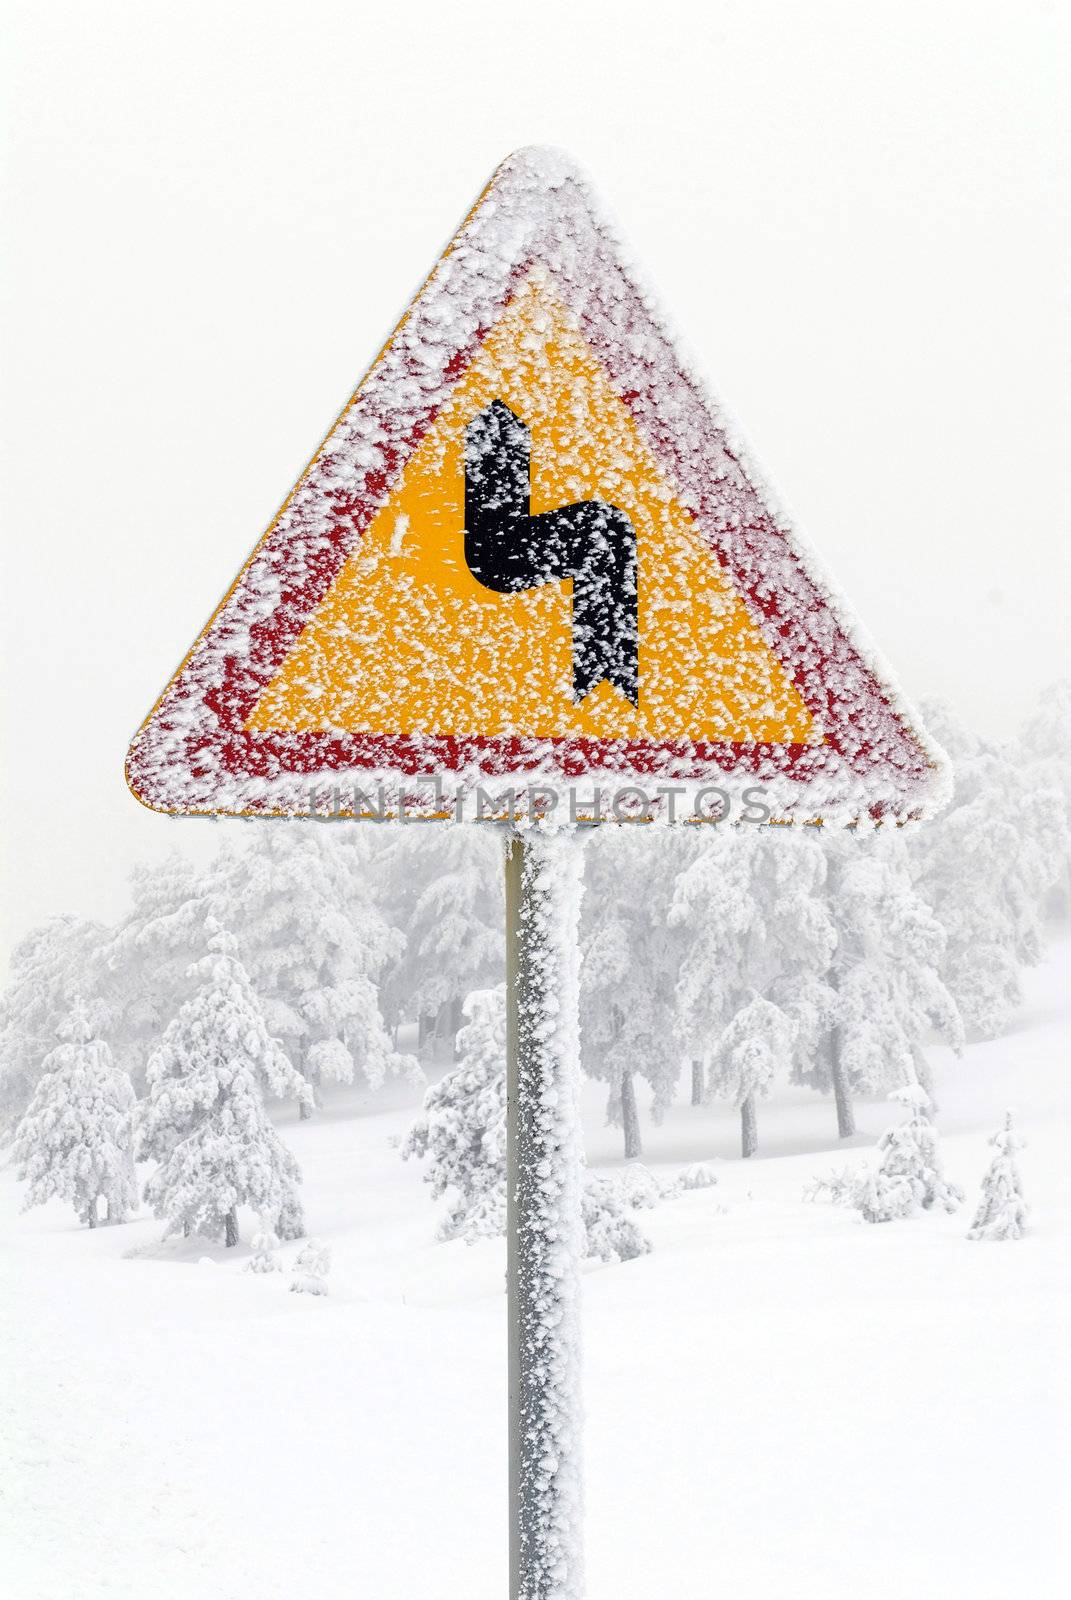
column 722, row 963
column 255, row 1151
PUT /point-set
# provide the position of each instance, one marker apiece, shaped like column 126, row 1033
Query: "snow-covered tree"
column 640, row 1187
column 462, row 1126
column 610, row 1228
column 630, row 960
column 1002, row 1211
column 461, row 1133
column 985, row 867
column 204, row 1119
column 75, row 1140
column 1043, row 756
column 759, row 940
column 299, row 900
column 745, row 1058
column 264, row 1244
column 314, row 943
column 442, row 888
column 888, row 997
column 150, row 952
column 290, row 1223
column 55, row 963
column 696, row 1175
column 910, row 1173
column 310, row 1270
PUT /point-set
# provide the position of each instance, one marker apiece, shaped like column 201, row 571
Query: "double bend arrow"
column 593, row 543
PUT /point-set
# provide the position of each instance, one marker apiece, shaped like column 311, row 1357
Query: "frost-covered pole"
column 544, row 1224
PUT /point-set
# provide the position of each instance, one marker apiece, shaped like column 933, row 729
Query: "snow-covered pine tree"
column 310, row 1270
column 204, row 1119
column 461, row 1132
column 1043, row 756
column 759, row 940
column 290, row 1223
column 630, row 959
column 403, row 869
column 54, row 963
column 985, row 867
column 910, row 1174
column 314, row 943
column 1002, row 1210
column 696, row 1175
column 75, row 1139
column 744, row 1060
column 151, row 951
column 641, row 1188
column 888, row 996
column 462, row 1126
column 264, row 1244
column 610, row 1228
column 442, row 888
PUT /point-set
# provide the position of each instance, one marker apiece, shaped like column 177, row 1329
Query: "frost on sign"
column 532, row 550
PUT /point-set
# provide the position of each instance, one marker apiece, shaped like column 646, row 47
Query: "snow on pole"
column 544, row 1219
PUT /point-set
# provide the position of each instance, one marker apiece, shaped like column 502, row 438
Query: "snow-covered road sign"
column 531, row 548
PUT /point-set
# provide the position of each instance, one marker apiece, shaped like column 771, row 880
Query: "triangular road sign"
column 531, row 550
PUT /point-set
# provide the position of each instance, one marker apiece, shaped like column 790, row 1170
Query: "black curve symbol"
column 593, row 543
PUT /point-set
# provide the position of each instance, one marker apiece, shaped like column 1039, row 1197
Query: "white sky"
column 856, row 214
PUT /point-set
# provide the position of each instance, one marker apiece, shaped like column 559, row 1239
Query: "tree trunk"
column 924, row 1074
column 749, row 1133
column 457, row 1019
column 425, row 1029
column 841, row 1091
column 307, row 1107
column 92, row 1217
column 444, row 1021
column 630, row 1118
column 231, row 1225
column 697, row 1083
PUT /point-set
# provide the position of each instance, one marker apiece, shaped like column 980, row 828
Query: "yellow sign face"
column 407, row 641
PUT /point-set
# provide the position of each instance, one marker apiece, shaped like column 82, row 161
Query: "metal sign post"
column 543, row 1211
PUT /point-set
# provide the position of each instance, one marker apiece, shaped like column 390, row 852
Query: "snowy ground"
column 781, row 1400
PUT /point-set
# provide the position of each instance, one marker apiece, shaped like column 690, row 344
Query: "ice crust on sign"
column 358, row 647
